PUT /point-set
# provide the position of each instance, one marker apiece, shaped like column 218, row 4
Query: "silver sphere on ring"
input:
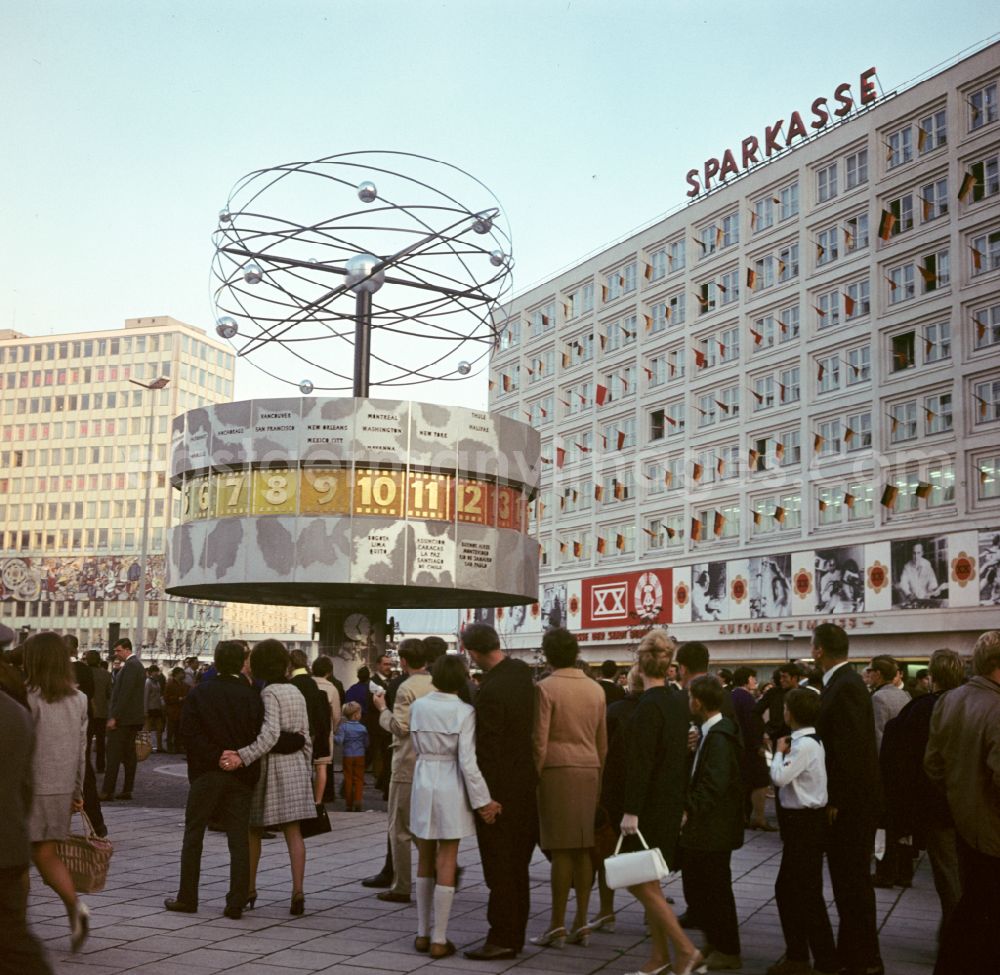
column 306, row 387
column 464, row 368
column 224, row 215
column 497, row 258
column 226, row 327
column 252, row 273
column 367, row 192
column 483, row 223
column 359, row 273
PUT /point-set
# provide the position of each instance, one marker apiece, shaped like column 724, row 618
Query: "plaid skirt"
column 284, row 791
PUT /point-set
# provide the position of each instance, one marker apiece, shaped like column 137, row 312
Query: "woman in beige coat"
column 570, row 743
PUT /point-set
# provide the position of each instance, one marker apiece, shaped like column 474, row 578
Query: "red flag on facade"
column 695, row 530
column 601, row 394
column 560, row 456
column 621, row 439
column 620, row 542
column 758, row 337
column 889, row 495
column 886, row 224
column 699, row 358
column 718, row 523
column 696, row 472
column 968, row 183
column 601, row 545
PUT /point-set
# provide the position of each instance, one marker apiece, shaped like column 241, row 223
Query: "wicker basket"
column 87, row 857
column 143, row 745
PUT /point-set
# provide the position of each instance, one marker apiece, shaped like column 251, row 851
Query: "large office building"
column 780, row 404
column 76, row 429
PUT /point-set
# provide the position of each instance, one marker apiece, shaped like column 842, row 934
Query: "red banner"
column 628, row 599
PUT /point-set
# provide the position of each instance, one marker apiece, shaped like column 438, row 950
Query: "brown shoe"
column 422, row 944
column 392, row 897
column 442, row 951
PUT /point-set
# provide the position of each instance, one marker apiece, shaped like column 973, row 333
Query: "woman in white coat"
column 447, row 786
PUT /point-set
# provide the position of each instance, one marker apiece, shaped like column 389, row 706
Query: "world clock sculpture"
column 347, row 273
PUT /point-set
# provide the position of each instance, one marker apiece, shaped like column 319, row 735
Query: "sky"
column 127, row 122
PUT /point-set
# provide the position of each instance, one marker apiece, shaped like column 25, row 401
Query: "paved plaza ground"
column 347, row 931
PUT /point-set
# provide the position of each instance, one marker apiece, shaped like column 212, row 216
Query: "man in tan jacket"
column 397, row 723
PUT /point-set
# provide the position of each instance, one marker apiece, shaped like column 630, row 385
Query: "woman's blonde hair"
column 655, row 653
column 634, row 683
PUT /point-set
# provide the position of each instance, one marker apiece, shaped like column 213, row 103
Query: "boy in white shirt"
column 798, row 772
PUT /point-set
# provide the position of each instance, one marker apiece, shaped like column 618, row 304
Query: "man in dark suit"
column 846, row 726
column 126, row 714
column 612, row 690
column 224, row 714
column 504, row 718
column 21, row 953
column 714, row 825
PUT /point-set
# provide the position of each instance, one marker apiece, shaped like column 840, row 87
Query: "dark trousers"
column 91, row 802
column 850, row 840
column 506, row 848
column 96, row 731
column 798, row 890
column 121, row 751
column 21, row 953
column 173, row 734
column 223, row 796
column 708, row 890
column 968, row 941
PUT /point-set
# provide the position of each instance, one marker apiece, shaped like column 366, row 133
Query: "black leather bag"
column 288, row 743
column 316, row 826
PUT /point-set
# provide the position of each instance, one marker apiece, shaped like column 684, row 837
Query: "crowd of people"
column 678, row 759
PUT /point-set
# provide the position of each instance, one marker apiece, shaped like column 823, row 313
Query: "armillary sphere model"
column 337, row 275
column 408, row 268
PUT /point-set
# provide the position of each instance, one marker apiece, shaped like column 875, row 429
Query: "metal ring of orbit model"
column 297, row 243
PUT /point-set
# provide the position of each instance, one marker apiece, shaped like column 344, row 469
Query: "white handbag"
column 631, row 869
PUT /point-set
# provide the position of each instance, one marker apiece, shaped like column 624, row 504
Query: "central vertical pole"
column 362, row 341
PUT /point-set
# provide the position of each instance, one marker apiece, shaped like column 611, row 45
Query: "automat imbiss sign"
column 629, row 599
column 778, row 136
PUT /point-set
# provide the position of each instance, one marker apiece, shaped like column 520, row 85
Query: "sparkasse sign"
column 778, row 138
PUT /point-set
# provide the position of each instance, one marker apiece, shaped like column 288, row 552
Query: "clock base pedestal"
column 352, row 637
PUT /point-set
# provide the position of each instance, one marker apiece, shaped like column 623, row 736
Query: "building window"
column 932, row 132
column 983, row 106
column 581, row 301
column 828, row 374
column 658, row 264
column 935, row 270
column 934, row 200
column 857, row 168
column 665, row 532
column 986, row 176
column 986, row 322
column 858, row 432
column 675, row 473
column 706, row 297
column 543, row 320
column 675, row 418
column 788, row 324
column 902, row 283
column 903, row 351
column 765, row 328
column 937, row 342
column 859, row 364
column 857, row 300
column 763, row 393
column 621, row 333
column 828, row 310
column 937, row 413
column 710, row 239
column 789, row 196
column 987, row 397
column 827, row 441
column 788, row 448
column 763, row 214
column 730, row 229
column 763, row 273
column 985, row 252
column 789, row 387
column 903, row 422
column 729, row 285
column 619, row 282
column 826, row 183
column 657, row 425
column 676, row 254
column 510, row 336
column 902, row 211
column 900, row 146
column 788, row 262
column 777, row 513
column 827, row 242
column 988, row 476
column 856, row 233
